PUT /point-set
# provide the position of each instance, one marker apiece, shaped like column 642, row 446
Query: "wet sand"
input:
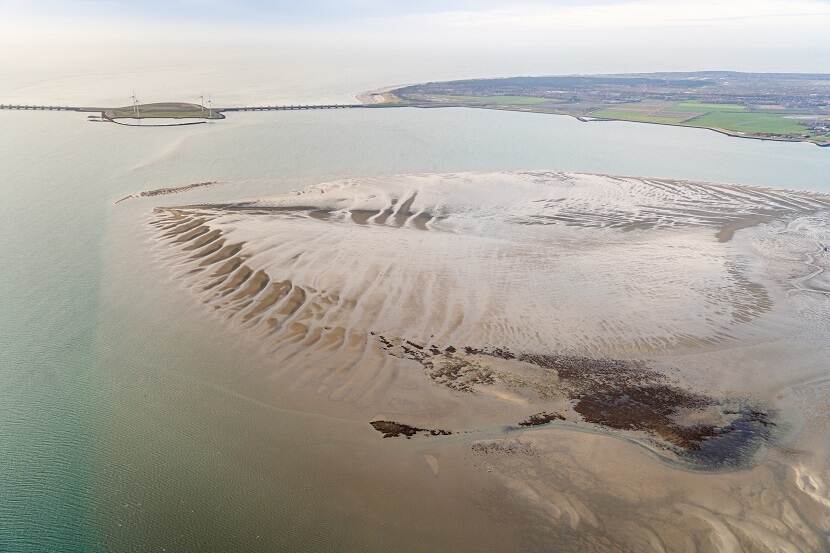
column 619, row 352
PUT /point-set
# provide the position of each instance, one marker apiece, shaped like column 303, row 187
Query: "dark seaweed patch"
column 444, row 367
column 392, row 429
column 539, row 419
column 616, row 394
column 734, row 444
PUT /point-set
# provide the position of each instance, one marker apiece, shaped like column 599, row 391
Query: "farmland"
column 791, row 107
column 750, row 122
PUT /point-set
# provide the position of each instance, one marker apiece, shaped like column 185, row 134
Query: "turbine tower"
column 136, row 109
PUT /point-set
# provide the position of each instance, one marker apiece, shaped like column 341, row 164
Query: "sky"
column 357, row 14
column 334, row 46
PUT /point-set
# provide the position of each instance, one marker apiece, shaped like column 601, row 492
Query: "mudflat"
column 634, row 360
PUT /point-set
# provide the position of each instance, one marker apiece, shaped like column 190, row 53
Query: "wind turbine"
column 136, row 109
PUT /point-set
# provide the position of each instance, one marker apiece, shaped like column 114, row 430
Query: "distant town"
column 769, row 106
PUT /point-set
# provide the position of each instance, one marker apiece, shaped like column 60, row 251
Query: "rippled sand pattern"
column 398, row 256
column 463, row 303
column 630, row 204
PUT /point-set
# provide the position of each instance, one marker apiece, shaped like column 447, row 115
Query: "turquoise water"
column 127, row 422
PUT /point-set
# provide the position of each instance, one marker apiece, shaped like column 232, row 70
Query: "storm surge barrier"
column 41, row 108
column 293, row 107
column 239, row 108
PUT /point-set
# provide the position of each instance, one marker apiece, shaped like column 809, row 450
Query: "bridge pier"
column 286, row 107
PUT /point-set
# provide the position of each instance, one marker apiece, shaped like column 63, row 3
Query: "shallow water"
column 127, row 420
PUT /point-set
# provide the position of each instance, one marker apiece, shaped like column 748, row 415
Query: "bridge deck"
column 288, row 107
column 42, row 108
column 240, row 108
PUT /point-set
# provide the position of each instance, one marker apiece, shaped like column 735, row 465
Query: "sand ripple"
column 406, row 296
column 536, row 261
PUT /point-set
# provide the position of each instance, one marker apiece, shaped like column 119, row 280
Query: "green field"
column 639, row 116
column 749, row 122
column 705, row 108
column 498, row 100
column 758, row 105
column 729, row 117
column 665, row 112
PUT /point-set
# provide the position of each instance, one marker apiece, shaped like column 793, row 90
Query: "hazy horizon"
column 242, row 51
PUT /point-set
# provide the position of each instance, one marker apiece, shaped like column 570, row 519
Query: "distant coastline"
column 584, row 119
column 714, row 129
column 760, row 106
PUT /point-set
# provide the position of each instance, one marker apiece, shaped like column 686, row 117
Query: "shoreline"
column 714, row 129
column 589, row 119
column 385, row 97
column 389, row 92
column 187, row 123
